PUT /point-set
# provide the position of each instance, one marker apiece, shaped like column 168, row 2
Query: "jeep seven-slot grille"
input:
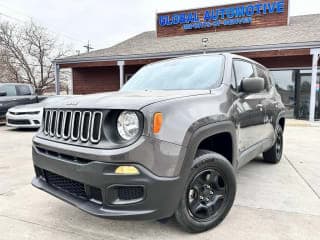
column 73, row 125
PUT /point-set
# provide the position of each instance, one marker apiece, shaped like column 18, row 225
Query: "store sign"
column 257, row 14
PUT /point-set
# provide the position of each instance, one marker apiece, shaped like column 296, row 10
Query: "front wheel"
column 209, row 194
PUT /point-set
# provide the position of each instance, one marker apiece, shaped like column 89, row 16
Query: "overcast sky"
column 107, row 22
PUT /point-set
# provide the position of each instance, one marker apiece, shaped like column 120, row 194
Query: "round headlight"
column 128, row 125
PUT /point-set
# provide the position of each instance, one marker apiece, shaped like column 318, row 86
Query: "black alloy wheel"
column 274, row 154
column 206, row 194
column 209, row 193
column 279, row 144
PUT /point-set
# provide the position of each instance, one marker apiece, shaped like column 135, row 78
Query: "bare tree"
column 8, row 72
column 26, row 54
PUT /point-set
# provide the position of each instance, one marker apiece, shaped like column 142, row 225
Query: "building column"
column 71, row 82
column 315, row 59
column 121, row 70
column 57, row 77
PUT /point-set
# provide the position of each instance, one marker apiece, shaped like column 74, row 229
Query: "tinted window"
column 23, row 90
column 9, row 89
column 200, row 72
column 243, row 70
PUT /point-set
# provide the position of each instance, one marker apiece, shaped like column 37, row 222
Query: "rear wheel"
column 209, row 193
column 274, row 154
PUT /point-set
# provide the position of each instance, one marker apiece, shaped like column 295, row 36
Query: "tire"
column 216, row 178
column 274, row 154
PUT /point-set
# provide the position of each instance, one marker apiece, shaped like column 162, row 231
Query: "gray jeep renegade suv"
column 167, row 144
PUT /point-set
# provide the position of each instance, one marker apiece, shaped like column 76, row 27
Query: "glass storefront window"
column 294, row 87
column 303, row 95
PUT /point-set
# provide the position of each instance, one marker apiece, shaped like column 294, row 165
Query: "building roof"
column 302, row 31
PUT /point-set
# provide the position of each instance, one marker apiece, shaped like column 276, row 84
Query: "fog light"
column 130, row 170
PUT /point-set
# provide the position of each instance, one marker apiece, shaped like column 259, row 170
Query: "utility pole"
column 88, row 46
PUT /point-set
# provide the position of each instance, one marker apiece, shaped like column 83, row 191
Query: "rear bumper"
column 159, row 199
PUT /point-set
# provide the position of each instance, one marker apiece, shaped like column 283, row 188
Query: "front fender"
column 196, row 136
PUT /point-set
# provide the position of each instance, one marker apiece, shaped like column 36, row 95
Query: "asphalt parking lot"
column 273, row 201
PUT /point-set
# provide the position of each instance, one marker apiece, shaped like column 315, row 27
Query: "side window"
column 127, row 77
column 272, row 80
column 243, row 70
column 264, row 74
column 9, row 89
column 23, row 90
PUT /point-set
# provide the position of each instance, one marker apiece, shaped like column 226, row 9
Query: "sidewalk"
column 301, row 123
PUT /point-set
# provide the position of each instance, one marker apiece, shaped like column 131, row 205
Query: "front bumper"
column 100, row 187
column 23, row 121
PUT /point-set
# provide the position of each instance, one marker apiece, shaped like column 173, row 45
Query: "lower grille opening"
column 70, row 186
column 18, row 122
column 130, row 192
column 65, row 184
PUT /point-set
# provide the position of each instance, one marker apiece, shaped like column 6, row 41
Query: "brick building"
column 261, row 30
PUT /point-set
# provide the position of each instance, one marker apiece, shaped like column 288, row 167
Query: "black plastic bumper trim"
column 161, row 194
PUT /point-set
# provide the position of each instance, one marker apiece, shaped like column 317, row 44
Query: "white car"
column 30, row 115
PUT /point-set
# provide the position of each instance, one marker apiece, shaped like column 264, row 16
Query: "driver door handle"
column 260, row 106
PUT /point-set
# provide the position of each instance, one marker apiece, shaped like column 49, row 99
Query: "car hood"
column 27, row 108
column 124, row 100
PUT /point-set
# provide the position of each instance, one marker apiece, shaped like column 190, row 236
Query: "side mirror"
column 2, row 94
column 252, row 85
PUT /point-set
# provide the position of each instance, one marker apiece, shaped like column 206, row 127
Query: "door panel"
column 248, row 109
column 250, row 116
column 270, row 104
column 25, row 95
column 8, row 101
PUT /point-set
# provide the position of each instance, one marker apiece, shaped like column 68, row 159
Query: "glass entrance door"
column 294, row 87
column 303, row 95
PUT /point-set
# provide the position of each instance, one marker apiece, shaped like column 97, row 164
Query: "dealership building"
column 261, row 30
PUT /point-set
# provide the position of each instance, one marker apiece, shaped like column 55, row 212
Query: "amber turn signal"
column 157, row 122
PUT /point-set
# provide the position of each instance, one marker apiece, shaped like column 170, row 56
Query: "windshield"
column 200, row 72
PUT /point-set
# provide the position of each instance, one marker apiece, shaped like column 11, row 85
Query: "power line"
column 8, row 16
column 30, row 18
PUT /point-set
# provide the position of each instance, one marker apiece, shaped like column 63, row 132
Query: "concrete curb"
column 301, row 123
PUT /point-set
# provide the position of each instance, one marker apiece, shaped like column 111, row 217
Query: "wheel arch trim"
column 204, row 132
